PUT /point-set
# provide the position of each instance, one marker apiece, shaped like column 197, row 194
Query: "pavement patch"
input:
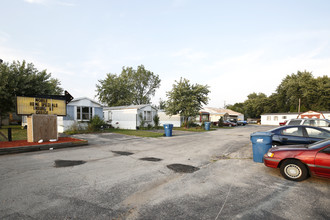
column 123, row 153
column 68, row 163
column 153, row 159
column 182, row 168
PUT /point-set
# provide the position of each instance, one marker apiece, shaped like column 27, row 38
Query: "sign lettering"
column 35, row 105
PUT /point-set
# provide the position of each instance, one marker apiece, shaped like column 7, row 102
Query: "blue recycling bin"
column 261, row 143
column 207, row 126
column 168, row 129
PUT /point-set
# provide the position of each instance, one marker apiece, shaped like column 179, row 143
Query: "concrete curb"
column 23, row 149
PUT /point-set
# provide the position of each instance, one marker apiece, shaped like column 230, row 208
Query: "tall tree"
column 186, row 99
column 292, row 88
column 130, row 87
column 314, row 94
column 21, row 78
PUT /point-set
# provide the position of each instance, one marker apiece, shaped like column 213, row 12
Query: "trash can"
column 168, row 129
column 261, row 143
column 207, row 126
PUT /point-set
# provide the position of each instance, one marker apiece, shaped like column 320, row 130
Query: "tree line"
column 137, row 86
column 312, row 92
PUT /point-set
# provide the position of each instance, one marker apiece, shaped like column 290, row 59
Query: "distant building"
column 127, row 117
column 276, row 118
column 176, row 120
column 214, row 114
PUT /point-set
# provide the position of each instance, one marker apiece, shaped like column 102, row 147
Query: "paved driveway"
column 125, row 177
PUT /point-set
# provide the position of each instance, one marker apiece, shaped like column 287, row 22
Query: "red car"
column 297, row 162
column 283, row 123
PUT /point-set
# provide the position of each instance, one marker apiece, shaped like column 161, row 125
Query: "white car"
column 323, row 123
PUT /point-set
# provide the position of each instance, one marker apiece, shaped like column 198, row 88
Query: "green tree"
column 186, row 99
column 162, row 104
column 21, row 78
column 130, row 87
column 314, row 93
column 255, row 104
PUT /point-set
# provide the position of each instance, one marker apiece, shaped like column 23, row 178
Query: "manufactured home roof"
column 127, row 107
column 82, row 98
column 220, row 111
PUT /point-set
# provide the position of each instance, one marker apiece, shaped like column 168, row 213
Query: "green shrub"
column 156, row 121
column 142, row 121
column 220, row 122
column 96, row 123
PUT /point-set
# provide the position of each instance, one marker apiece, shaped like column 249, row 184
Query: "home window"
column 84, row 113
column 275, row 118
column 283, row 117
column 147, row 116
column 269, row 118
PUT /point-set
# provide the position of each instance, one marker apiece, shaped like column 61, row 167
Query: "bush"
column 96, row 124
column 156, row 121
column 220, row 122
column 192, row 123
column 142, row 121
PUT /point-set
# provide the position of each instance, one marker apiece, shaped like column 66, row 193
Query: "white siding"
column 124, row 119
column 276, row 119
column 166, row 119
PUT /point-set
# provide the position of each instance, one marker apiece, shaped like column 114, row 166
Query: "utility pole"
column 299, row 108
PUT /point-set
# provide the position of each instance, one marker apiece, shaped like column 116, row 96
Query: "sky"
column 236, row 47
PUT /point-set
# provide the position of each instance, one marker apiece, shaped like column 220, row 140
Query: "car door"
column 314, row 134
column 322, row 162
column 293, row 135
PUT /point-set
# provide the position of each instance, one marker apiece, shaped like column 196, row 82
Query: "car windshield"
column 319, row 144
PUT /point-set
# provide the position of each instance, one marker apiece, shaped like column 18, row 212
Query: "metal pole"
column 9, row 134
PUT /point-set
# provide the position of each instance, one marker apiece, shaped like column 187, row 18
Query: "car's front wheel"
column 293, row 170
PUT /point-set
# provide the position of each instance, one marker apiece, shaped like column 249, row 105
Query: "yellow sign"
column 35, row 105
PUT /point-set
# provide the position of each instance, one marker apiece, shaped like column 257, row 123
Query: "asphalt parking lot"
column 208, row 175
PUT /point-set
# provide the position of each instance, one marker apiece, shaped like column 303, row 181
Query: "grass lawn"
column 138, row 133
column 193, row 129
column 16, row 131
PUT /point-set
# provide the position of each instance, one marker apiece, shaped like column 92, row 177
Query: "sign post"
column 42, row 112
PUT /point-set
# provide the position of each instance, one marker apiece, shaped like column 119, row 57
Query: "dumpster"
column 168, row 129
column 261, row 143
column 207, row 126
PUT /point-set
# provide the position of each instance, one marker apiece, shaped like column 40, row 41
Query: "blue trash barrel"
column 168, row 129
column 261, row 143
column 207, row 126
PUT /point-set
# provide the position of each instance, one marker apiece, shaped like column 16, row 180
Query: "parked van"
column 324, row 123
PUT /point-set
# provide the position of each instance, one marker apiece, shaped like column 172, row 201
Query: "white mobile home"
column 176, row 120
column 128, row 117
column 276, row 118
